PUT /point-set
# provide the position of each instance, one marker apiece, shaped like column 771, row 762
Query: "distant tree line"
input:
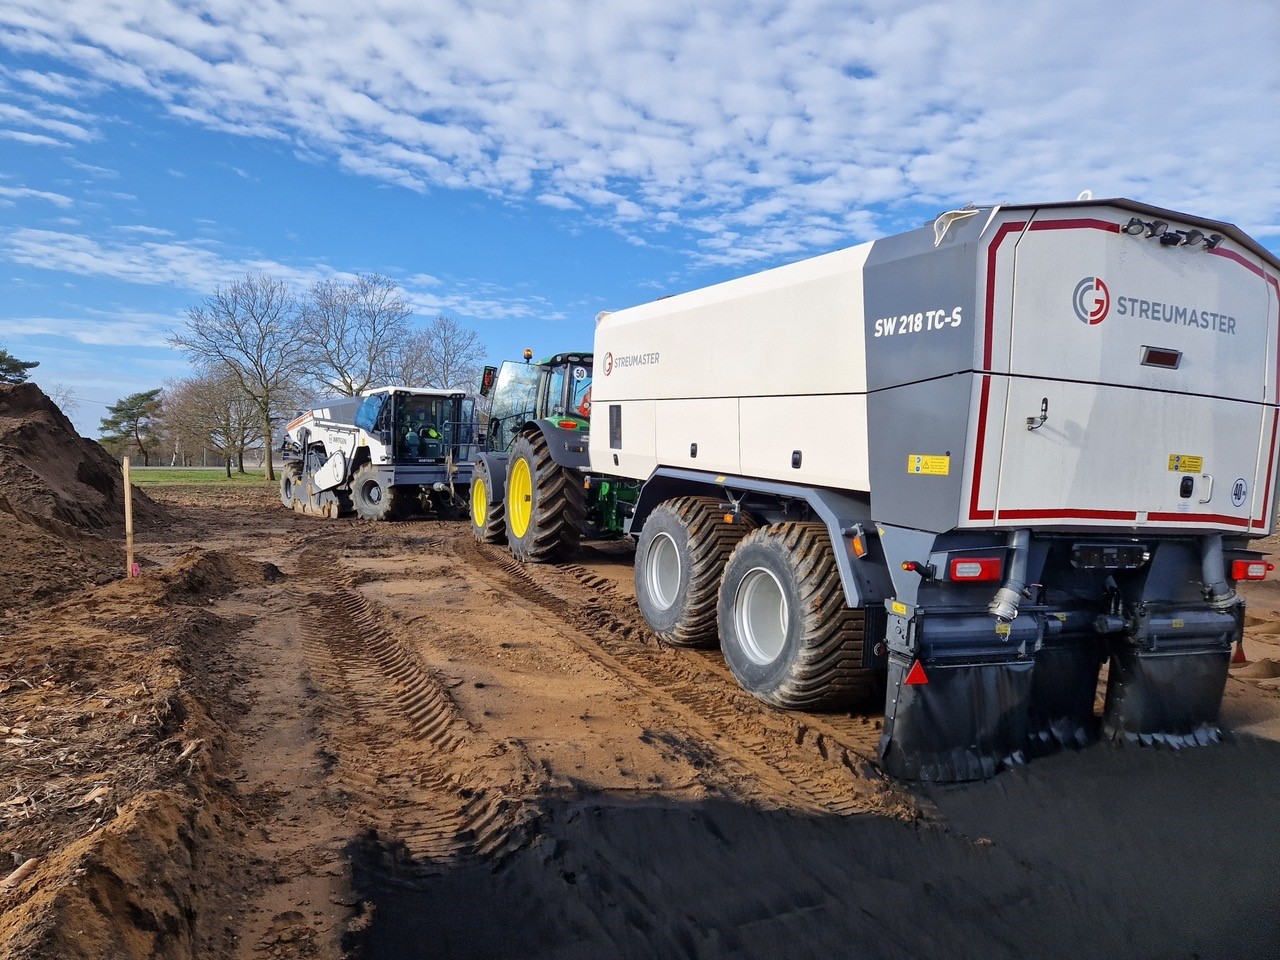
column 261, row 352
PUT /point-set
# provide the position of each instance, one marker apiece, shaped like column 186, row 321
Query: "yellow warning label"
column 932, row 466
column 1185, row 463
column 899, row 608
column 1003, row 629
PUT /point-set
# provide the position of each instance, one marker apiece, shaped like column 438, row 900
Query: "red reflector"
column 916, row 675
column 1249, row 569
column 567, row 424
column 976, row 568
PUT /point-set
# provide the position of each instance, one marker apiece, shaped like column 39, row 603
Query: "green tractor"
column 532, row 486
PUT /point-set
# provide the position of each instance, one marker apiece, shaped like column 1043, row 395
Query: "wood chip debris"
column 94, row 796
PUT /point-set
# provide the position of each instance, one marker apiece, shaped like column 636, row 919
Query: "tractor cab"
column 420, row 427
column 556, row 389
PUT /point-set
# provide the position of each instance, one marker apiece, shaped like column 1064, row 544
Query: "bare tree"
column 248, row 329
column 443, row 354
column 210, row 412
column 350, row 329
column 62, row 396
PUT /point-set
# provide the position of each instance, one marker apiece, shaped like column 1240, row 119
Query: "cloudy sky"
column 522, row 165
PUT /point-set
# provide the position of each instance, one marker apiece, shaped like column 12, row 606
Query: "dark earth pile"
column 61, row 503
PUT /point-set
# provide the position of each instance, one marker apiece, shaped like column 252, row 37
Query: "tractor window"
column 579, row 391
column 514, row 397
column 555, row 392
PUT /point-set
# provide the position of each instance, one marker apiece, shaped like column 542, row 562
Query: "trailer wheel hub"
column 762, row 616
column 663, row 571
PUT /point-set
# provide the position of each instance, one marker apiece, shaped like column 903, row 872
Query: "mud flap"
column 1171, row 697
column 967, row 723
column 1063, row 692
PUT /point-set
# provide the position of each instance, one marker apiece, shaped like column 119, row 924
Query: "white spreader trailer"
column 972, row 463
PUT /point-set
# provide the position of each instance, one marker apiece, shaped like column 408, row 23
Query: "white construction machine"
column 964, row 466
column 388, row 453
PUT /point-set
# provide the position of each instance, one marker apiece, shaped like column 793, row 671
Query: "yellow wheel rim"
column 520, row 497
column 479, row 502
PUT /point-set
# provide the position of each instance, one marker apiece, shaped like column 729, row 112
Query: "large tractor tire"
column 488, row 521
column 546, row 506
column 290, row 476
column 785, row 630
column 372, row 497
column 680, row 561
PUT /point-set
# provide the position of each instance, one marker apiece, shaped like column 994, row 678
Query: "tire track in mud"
column 412, row 753
column 777, row 758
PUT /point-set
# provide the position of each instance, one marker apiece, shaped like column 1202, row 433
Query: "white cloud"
column 34, row 139
column 200, row 266
column 765, row 130
column 27, row 193
column 124, row 328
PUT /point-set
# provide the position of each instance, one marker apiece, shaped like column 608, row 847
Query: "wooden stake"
column 128, row 522
column 24, row 871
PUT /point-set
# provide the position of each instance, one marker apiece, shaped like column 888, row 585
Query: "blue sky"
column 523, row 165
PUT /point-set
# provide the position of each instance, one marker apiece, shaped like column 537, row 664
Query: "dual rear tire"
column 772, row 595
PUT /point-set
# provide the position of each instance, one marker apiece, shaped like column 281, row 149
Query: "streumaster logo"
column 629, row 360
column 1092, row 300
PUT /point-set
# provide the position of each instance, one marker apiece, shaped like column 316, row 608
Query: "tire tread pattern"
column 494, row 528
column 827, row 672
column 559, row 508
column 711, row 541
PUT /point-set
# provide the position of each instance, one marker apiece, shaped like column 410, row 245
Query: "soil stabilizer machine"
column 965, row 466
column 386, row 454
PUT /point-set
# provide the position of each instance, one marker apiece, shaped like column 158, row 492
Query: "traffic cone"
column 1238, row 656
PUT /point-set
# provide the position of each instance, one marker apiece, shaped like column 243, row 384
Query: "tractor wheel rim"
column 520, row 499
column 762, row 615
column 662, row 571
column 479, row 502
column 373, row 492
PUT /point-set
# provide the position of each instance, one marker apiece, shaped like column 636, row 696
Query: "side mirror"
column 486, row 380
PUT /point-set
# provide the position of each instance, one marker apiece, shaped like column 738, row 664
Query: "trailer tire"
column 680, row 561
column 546, row 506
column 786, row 632
column 372, row 497
column 290, row 475
column 488, row 521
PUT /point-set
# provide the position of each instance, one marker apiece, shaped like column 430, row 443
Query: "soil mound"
column 1264, row 669
column 61, row 503
column 47, row 470
column 199, row 576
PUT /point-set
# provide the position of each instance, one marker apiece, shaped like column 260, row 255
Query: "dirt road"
column 407, row 745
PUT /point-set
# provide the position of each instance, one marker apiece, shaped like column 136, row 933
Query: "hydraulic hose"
column 1214, row 575
column 1004, row 606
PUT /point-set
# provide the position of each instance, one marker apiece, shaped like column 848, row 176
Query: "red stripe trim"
column 984, row 398
column 1068, row 514
column 1003, row 232
column 1198, row 518
column 1081, row 224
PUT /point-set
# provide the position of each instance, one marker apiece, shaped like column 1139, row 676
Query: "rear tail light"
column 1250, row 569
column 975, row 569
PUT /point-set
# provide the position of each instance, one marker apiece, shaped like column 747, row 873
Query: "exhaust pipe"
column 1213, row 574
column 1004, row 606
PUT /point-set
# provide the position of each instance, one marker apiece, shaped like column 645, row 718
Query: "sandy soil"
column 304, row 738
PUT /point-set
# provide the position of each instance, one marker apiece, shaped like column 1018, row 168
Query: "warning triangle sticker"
column 916, row 675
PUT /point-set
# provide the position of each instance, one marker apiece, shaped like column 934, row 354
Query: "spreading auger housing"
column 967, row 466
column 387, row 453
